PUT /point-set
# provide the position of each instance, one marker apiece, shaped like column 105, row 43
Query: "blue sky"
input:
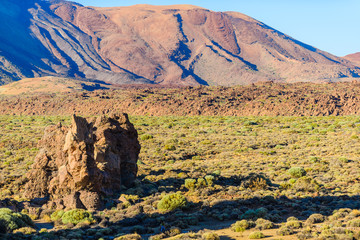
column 330, row 25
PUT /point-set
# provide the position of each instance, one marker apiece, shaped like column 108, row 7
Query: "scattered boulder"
column 80, row 163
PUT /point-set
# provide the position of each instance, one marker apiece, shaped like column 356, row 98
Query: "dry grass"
column 249, row 157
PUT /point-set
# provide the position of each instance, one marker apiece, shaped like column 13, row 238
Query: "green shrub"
column 354, row 223
column 8, row 153
column 315, row 218
column 146, row 137
column 344, row 159
column 169, row 147
column 190, row 183
column 306, row 233
column 340, row 213
column 210, row 180
column 173, row 231
column 327, row 234
column 295, row 224
column 262, row 224
column 76, row 216
column 171, row 202
column 154, row 237
column 292, row 181
column 297, row 172
column 256, row 235
column 250, row 123
column 292, row 218
column 210, row 236
column 314, row 159
column 284, row 231
column 129, row 237
column 25, row 230
column 217, row 172
column 254, row 214
column 201, row 183
column 255, row 182
column 56, row 215
column 261, row 212
column 241, row 226
column 249, row 214
column 12, row 220
column 306, row 184
column 193, row 184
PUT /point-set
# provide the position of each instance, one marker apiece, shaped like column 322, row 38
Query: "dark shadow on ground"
column 216, row 215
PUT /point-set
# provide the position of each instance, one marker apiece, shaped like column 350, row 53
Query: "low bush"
column 262, row 224
column 25, row 230
column 201, row 183
column 340, row 213
column 315, row 218
column 210, row 180
column 295, row 224
column 255, row 182
column 254, row 214
column 297, row 172
column 355, row 213
column 284, row 231
column 193, row 184
column 210, row 236
column 256, row 235
column 56, row 215
column 292, row 218
column 306, row 184
column 354, row 223
column 129, row 237
column 146, row 137
column 169, row 147
column 171, row 202
column 314, row 159
column 305, row 234
column 174, row 231
column 190, row 183
column 241, row 226
column 327, row 234
column 76, row 216
column 11, row 220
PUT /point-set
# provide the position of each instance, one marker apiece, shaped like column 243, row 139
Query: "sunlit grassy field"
column 296, row 163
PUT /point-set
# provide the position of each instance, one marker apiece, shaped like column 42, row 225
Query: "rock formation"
column 79, row 164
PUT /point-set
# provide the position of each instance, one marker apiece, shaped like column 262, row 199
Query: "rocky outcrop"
column 262, row 99
column 79, row 164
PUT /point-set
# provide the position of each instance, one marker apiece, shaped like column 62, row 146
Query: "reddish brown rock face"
column 169, row 45
column 80, row 163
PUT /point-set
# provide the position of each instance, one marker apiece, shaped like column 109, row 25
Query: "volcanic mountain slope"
column 35, row 42
column 182, row 45
column 355, row 58
column 51, row 84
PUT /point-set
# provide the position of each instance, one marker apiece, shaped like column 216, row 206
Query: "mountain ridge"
column 145, row 44
column 354, row 57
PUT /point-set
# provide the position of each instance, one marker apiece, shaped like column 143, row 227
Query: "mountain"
column 50, row 85
column 35, row 42
column 179, row 44
column 355, row 58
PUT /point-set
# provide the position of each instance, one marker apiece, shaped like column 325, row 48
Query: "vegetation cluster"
column 258, row 177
